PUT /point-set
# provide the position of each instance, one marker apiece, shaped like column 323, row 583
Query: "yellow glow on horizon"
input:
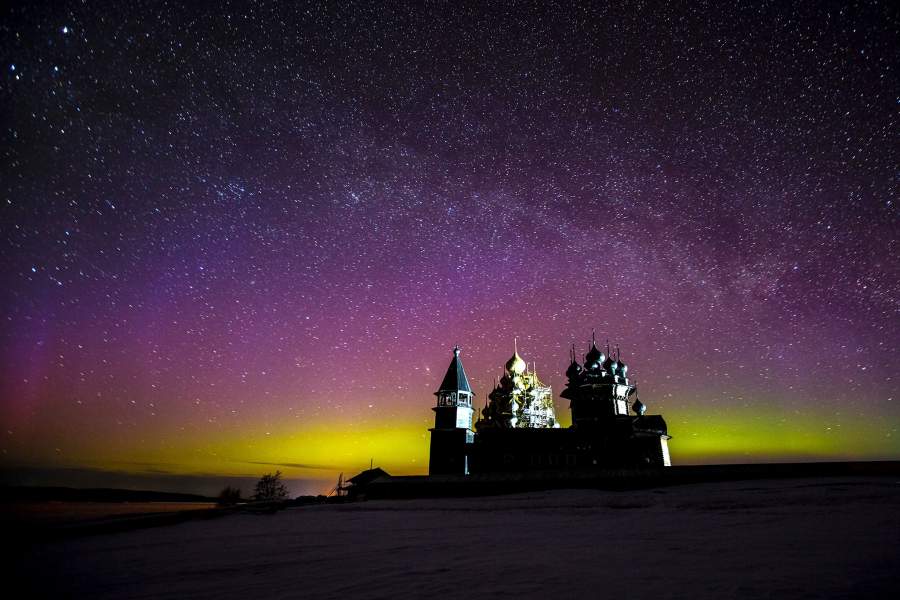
column 762, row 432
column 317, row 451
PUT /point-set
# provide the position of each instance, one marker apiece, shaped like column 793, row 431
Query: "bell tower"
column 452, row 435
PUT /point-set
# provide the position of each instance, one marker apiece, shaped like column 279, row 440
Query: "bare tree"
column 229, row 496
column 270, row 488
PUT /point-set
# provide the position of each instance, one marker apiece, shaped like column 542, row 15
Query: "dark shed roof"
column 368, row 476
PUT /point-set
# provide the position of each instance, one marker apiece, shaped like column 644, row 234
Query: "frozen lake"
column 802, row 538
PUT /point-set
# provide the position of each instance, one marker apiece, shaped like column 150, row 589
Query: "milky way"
column 247, row 235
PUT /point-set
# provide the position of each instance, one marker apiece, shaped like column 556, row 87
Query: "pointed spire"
column 455, row 380
column 594, row 355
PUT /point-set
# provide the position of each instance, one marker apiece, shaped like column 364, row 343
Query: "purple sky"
column 252, row 235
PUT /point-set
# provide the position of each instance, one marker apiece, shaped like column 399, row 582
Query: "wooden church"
column 517, row 430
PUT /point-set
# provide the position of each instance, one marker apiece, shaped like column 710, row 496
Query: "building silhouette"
column 518, row 430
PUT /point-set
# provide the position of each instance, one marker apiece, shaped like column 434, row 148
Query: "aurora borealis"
column 240, row 238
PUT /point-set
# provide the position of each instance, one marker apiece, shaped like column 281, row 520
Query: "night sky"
column 236, row 239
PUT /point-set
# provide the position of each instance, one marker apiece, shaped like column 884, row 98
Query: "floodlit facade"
column 519, row 400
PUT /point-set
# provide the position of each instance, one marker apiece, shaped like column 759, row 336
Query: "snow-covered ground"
column 827, row 538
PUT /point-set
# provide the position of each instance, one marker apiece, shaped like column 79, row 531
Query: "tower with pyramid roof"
column 452, row 435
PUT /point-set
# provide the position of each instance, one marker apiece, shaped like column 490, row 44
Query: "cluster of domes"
column 519, row 400
column 596, row 363
column 600, row 386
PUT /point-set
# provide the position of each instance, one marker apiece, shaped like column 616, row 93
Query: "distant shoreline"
column 29, row 493
column 530, row 480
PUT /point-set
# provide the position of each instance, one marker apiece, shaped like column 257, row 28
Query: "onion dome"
column 574, row 370
column 623, row 369
column 515, row 364
column 610, row 365
column 594, row 358
column 639, row 408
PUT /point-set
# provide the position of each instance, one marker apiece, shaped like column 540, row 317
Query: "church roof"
column 654, row 423
column 455, row 380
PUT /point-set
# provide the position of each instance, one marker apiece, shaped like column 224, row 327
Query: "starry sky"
column 245, row 236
